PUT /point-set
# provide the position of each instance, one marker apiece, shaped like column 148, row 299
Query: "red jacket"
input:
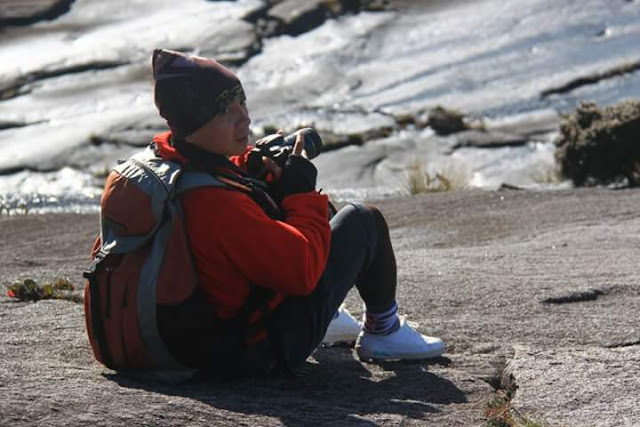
column 236, row 244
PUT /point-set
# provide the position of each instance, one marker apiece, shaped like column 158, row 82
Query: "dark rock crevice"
column 468, row 132
column 499, row 410
column 4, row 125
column 488, row 140
column 22, row 13
column 334, row 140
column 17, row 169
column 21, row 85
column 294, row 17
column 495, row 380
column 442, row 120
column 131, row 136
column 370, row 167
column 623, row 344
column 575, row 296
column 618, row 71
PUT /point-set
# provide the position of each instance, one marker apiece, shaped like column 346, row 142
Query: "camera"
column 278, row 147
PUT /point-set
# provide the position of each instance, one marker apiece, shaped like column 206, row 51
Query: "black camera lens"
column 312, row 141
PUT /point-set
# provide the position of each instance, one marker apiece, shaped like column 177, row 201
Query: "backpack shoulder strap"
column 157, row 178
column 194, row 179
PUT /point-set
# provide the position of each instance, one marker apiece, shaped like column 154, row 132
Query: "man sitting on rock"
column 278, row 236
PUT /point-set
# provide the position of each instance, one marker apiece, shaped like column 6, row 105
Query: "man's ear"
column 196, row 136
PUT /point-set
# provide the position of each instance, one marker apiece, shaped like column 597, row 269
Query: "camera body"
column 278, row 147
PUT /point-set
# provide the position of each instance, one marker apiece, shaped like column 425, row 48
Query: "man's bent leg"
column 298, row 325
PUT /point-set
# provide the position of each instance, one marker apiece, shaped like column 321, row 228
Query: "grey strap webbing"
column 147, row 310
column 162, row 181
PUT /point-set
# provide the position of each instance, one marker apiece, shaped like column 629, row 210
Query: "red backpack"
column 143, row 305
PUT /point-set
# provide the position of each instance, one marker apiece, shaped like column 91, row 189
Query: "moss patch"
column 29, row 290
column 601, row 145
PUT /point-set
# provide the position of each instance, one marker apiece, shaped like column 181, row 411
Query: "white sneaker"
column 342, row 329
column 403, row 344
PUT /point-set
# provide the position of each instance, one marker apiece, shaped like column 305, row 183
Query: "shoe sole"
column 340, row 340
column 386, row 358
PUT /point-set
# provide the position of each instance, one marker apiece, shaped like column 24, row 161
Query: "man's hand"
column 268, row 164
column 272, row 167
column 297, row 175
column 298, row 148
column 260, row 166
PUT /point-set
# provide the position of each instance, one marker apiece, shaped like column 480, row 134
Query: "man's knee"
column 365, row 214
column 363, row 217
column 380, row 221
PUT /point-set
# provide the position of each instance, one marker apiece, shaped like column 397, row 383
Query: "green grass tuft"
column 419, row 181
column 500, row 413
column 546, row 174
column 29, row 290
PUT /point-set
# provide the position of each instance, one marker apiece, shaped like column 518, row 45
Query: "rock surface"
column 474, row 268
column 350, row 75
column 590, row 386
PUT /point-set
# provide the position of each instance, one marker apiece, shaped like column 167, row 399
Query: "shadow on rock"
column 336, row 389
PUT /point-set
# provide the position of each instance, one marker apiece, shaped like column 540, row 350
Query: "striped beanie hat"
column 190, row 90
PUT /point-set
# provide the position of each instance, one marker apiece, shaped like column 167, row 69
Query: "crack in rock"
column 4, row 125
column 575, row 296
column 295, row 17
column 20, row 85
column 484, row 139
column 495, row 379
column 623, row 344
column 370, row 167
column 333, row 138
column 618, row 71
column 21, row 12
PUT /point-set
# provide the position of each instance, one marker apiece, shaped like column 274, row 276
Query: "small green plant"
column 500, row 413
column 29, row 290
column 599, row 146
column 546, row 174
column 419, row 181
column 269, row 129
column 9, row 93
column 445, row 121
column 23, row 207
column 101, row 172
column 95, row 139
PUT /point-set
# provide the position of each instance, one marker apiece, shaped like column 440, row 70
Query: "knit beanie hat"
column 190, row 90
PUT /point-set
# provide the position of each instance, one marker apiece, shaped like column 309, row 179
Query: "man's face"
column 227, row 133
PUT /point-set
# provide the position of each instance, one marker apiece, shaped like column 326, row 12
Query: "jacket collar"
column 172, row 148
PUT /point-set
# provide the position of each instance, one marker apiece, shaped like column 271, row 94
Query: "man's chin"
column 241, row 146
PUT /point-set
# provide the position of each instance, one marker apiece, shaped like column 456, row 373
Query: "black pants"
column 360, row 255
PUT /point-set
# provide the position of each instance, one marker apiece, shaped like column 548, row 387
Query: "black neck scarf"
column 222, row 168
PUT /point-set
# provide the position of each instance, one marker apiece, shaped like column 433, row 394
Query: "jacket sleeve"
column 288, row 257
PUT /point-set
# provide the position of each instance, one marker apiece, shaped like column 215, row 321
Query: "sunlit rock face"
column 75, row 88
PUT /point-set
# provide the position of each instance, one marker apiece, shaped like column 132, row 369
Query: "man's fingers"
column 268, row 139
column 299, row 145
column 272, row 167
